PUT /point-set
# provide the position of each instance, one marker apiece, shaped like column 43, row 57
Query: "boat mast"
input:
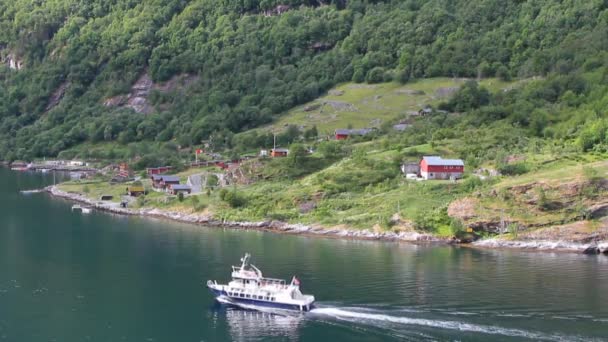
column 245, row 261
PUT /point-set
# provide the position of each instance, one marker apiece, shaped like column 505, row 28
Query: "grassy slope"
column 376, row 204
column 371, row 104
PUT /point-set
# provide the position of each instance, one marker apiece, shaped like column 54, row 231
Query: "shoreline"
column 280, row 227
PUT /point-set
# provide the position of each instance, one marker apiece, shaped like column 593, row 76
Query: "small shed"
column 408, row 168
column 279, row 152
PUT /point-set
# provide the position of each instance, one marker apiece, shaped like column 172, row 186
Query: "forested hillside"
column 77, row 71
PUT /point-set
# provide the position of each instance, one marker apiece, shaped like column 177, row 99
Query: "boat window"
column 247, row 296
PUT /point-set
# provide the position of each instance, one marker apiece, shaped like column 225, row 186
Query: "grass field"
column 369, row 105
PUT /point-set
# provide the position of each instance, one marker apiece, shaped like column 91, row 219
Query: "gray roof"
column 280, row 149
column 438, row 161
column 166, row 178
column 362, row 131
column 180, row 187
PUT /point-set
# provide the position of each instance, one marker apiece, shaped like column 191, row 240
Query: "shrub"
column 180, row 196
column 513, row 169
column 233, row 198
column 376, row 75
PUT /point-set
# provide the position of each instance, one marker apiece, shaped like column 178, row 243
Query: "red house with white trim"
column 433, row 167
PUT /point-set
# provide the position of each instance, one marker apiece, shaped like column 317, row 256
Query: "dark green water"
column 99, row 277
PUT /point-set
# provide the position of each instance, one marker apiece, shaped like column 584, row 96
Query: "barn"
column 433, row 167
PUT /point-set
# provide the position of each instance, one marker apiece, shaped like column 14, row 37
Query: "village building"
column 434, row 167
column 124, row 171
column 343, row 134
column 158, row 170
column 164, row 181
column 175, row 189
column 279, row 152
column 136, row 190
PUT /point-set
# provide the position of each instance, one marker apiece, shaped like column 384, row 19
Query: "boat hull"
column 259, row 303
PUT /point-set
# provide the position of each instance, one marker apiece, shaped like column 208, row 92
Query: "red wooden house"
column 433, row 167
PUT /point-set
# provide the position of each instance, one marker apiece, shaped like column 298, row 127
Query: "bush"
column 376, row 75
column 233, row 198
column 513, row 169
column 180, row 196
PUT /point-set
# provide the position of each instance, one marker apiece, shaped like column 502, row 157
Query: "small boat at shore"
column 82, row 209
column 249, row 288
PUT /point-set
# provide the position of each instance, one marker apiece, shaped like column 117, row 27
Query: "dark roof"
column 157, row 177
column 180, row 187
column 166, row 178
column 438, row 161
column 362, row 131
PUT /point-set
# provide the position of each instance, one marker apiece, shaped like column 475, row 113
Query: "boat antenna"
column 245, row 260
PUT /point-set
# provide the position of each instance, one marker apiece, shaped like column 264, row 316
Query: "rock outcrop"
column 137, row 98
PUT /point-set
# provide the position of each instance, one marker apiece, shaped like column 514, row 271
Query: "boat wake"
column 377, row 317
column 399, row 319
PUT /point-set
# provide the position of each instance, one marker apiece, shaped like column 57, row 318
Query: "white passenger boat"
column 248, row 287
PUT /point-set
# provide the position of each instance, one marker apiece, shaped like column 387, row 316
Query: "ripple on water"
column 386, row 318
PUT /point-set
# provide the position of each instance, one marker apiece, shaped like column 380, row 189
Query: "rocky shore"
column 561, row 243
column 272, row 226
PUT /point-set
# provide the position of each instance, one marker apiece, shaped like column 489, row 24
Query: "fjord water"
column 100, row 277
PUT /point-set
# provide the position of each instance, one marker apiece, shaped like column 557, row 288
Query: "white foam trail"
column 452, row 325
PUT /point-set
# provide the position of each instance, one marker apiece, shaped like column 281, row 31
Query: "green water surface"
column 71, row 277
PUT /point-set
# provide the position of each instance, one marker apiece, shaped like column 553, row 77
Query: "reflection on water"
column 247, row 325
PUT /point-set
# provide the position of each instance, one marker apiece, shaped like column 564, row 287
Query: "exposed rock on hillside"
column 57, row 96
column 10, row 59
column 137, row 98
